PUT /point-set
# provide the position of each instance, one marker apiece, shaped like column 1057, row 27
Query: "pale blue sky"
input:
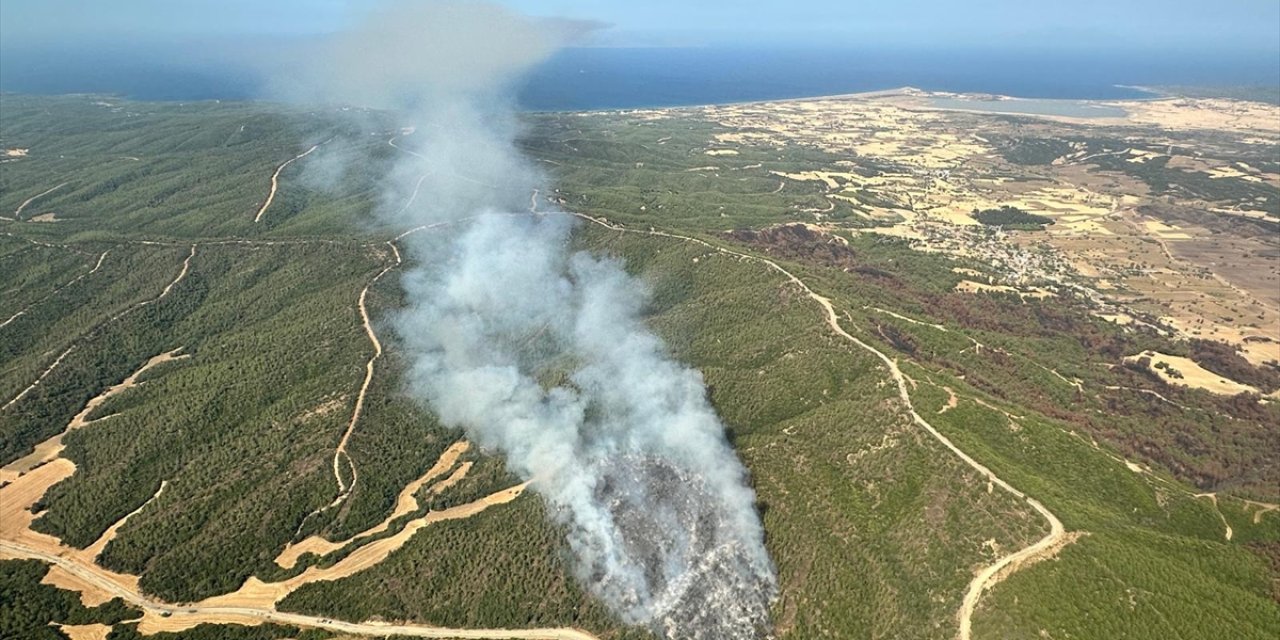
column 1164, row 24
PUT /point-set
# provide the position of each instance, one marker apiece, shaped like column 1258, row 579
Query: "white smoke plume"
column 541, row 353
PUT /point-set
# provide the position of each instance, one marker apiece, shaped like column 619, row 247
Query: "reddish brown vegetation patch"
column 799, row 242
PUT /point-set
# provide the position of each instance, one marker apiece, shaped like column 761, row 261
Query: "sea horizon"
column 607, row 79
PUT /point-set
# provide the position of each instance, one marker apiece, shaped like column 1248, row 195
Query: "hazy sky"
column 1195, row 24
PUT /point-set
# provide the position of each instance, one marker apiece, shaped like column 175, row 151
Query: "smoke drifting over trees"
column 539, row 352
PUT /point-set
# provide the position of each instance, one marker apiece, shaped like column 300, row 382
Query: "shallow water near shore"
column 1038, row 107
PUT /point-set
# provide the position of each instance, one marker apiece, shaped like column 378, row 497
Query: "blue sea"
column 619, row 78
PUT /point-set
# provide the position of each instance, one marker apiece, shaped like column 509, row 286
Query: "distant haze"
column 1169, row 25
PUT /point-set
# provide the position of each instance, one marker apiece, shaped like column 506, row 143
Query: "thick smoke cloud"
column 541, row 353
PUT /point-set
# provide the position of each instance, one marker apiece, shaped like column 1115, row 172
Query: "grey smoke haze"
column 539, row 352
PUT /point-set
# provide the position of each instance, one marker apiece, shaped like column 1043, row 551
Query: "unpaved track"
column 52, row 448
column 94, row 550
column 1213, row 497
column 275, row 181
column 160, row 615
column 952, row 400
column 1002, row 567
column 182, row 274
column 57, row 290
column 40, row 378
column 340, row 452
column 1263, row 507
column 344, row 490
column 17, row 213
column 254, row 603
column 186, row 266
column 406, row 503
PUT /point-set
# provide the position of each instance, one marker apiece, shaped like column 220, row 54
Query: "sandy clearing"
column 37, row 472
column 262, row 595
column 1232, row 172
column 181, row 620
column 828, row 178
column 275, row 181
column 454, row 478
column 406, row 503
column 159, row 616
column 1138, row 156
column 91, row 595
column 1206, row 113
column 52, row 447
column 1122, row 319
column 1046, row 547
column 18, row 540
column 77, row 569
column 1189, row 374
column 93, row 631
column 1162, row 230
column 952, row 400
column 17, row 213
column 969, row 286
column 18, row 496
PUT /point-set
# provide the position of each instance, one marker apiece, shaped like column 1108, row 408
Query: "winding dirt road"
column 254, row 603
column 164, row 615
column 1213, row 497
column 51, row 449
column 186, row 266
column 344, row 489
column 40, row 378
column 1002, row 567
column 57, row 290
column 406, row 503
column 275, row 181
column 17, row 213
column 175, row 616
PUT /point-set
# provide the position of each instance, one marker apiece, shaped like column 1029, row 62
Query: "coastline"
column 906, row 96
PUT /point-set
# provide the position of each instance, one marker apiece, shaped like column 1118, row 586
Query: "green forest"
column 876, row 527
